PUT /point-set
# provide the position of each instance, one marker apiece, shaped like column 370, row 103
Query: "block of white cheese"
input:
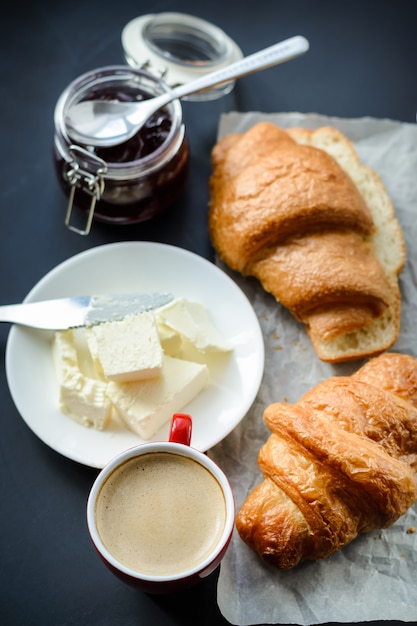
column 127, row 350
column 193, row 323
column 144, row 406
column 81, row 397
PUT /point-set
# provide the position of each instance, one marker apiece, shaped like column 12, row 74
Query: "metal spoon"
column 106, row 123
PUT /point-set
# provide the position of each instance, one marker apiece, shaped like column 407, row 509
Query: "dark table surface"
column 362, row 62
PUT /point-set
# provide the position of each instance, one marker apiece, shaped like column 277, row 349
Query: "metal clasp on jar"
column 91, row 182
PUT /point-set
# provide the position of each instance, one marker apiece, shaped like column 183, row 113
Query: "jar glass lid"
column 179, row 48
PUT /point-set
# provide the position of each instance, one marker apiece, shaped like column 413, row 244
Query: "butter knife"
column 64, row 313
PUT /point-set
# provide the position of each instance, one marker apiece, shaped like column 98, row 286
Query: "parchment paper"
column 375, row 577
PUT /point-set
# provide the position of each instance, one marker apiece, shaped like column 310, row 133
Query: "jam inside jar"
column 130, row 182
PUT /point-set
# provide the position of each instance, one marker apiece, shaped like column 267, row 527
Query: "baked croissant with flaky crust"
column 298, row 210
column 339, row 462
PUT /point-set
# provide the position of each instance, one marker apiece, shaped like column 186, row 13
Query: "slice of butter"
column 144, row 406
column 128, row 349
column 171, row 341
column 81, row 397
column 193, row 322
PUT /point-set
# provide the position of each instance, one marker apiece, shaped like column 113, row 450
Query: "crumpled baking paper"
column 373, row 578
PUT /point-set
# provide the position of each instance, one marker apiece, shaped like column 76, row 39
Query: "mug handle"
column 181, row 428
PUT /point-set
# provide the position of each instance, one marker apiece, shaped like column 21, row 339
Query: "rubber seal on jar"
column 179, row 48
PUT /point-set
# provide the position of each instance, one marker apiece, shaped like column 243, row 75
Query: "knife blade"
column 64, row 313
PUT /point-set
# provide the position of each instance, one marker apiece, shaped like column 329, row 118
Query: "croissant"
column 317, row 228
column 339, row 462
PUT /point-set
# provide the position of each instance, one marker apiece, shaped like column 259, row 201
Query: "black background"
column 362, row 62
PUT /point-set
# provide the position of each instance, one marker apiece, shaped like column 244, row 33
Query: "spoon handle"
column 92, row 122
column 278, row 53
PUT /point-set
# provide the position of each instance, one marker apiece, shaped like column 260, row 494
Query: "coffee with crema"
column 160, row 514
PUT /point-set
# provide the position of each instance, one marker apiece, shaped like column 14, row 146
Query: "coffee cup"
column 161, row 514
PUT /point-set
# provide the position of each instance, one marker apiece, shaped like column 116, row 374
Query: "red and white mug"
column 161, row 514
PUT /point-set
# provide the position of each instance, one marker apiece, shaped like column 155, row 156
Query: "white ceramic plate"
column 126, row 268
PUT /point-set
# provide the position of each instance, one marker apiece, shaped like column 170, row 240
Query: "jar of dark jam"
column 130, row 182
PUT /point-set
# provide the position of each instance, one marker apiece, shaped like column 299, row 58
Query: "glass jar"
column 131, row 182
column 179, row 48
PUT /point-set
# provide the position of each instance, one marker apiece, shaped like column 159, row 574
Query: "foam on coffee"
column 160, row 513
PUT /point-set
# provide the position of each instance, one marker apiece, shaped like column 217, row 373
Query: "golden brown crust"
column 339, row 462
column 266, row 187
column 289, row 214
column 395, row 373
column 291, row 270
column 257, row 526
